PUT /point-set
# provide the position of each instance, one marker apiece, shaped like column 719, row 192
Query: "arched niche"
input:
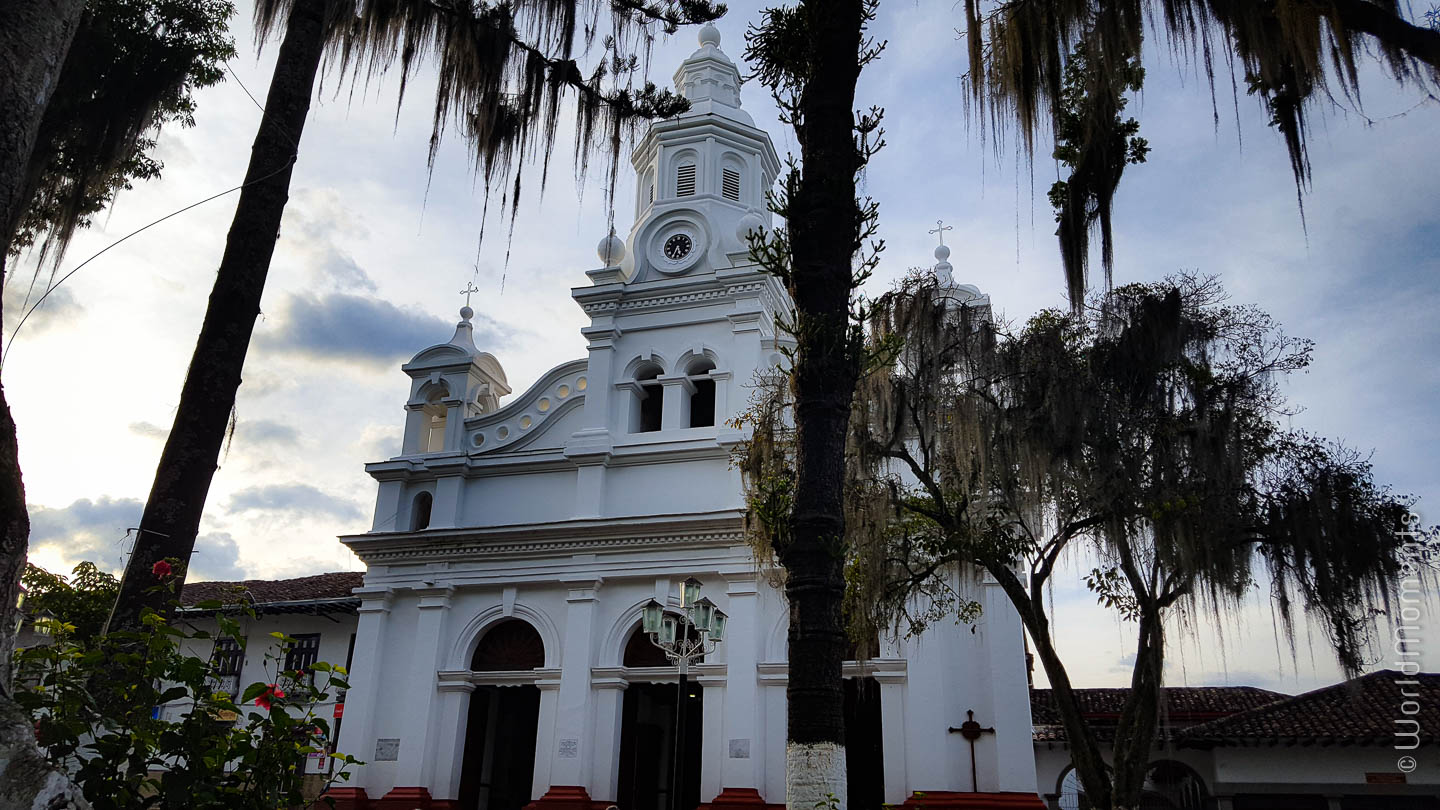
column 640, row 652
column 508, row 646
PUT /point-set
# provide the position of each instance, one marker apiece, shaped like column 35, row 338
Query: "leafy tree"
column 133, row 68
column 504, row 72
column 49, row 184
column 1144, row 433
column 1097, row 143
column 810, row 54
column 1019, row 54
column 141, row 724
column 83, row 600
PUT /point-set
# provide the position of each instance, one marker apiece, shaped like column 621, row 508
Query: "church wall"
column 663, row 489
column 508, row 499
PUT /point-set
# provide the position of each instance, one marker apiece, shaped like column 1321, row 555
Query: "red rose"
column 162, row 569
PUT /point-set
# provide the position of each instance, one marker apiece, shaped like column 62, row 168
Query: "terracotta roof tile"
column 336, row 585
column 1360, row 711
column 1182, row 706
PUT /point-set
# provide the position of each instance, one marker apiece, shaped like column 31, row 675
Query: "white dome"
column 751, row 222
column 942, row 253
column 709, row 35
column 611, row 250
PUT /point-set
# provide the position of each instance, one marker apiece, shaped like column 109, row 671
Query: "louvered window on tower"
column 730, row 184
column 685, row 181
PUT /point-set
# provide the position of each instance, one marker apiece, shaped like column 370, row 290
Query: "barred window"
column 228, row 660
column 303, row 654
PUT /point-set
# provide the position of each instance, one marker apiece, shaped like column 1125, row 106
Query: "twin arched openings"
column 697, row 408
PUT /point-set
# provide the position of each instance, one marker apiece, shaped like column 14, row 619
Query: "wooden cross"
column 940, row 228
column 469, row 288
column 971, row 731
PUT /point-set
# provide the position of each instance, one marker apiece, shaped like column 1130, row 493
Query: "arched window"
column 420, row 511
column 434, row 423
column 1171, row 785
column 702, row 397
column 1072, row 793
column 508, row 646
column 649, row 405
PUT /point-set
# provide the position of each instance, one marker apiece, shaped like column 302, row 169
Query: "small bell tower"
column 701, row 177
column 450, row 382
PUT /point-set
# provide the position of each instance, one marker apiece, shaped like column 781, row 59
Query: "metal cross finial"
column 469, row 288
column 941, row 228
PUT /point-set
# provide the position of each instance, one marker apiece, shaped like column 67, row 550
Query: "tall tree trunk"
column 1084, row 747
column 824, row 221
column 177, row 498
column 35, row 35
column 1140, row 717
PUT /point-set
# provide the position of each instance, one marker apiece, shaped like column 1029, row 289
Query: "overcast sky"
column 373, row 250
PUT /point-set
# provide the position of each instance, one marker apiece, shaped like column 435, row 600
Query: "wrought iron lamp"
column 684, row 635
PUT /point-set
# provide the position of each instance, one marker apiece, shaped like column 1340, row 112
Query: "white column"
column 449, row 492
column 713, row 723
column 1013, row 743
column 357, row 733
column 742, row 748
column 892, row 733
column 388, row 503
column 454, row 712
column 573, row 748
column 545, row 737
column 675, row 409
column 418, row 743
column 605, row 764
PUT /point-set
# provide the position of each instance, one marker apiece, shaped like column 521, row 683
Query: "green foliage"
column 82, row 600
column 1096, row 141
column 140, row 724
column 133, row 68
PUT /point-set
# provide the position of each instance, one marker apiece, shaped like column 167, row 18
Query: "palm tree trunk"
column 177, row 498
column 824, row 221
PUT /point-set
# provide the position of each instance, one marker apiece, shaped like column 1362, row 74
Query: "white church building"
column 497, row 659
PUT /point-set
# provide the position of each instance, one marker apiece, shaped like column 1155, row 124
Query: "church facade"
column 498, row 658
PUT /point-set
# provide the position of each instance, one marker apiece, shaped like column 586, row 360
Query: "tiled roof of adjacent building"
column 331, row 589
column 1357, row 712
column 1182, row 706
column 1363, row 711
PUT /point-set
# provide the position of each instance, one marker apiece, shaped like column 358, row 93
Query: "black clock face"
column 677, row 247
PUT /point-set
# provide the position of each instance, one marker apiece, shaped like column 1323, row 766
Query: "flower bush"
column 138, row 723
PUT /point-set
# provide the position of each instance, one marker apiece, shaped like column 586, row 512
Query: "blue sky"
column 373, row 248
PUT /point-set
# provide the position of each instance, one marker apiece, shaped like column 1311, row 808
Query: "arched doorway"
column 1171, row 785
column 499, row 763
column 647, row 735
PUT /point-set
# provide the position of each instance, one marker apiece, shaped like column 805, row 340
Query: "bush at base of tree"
column 138, row 723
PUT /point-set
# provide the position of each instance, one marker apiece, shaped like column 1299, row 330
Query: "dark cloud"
column 340, row 326
column 148, row 430
column 216, row 557
column 266, row 431
column 87, row 530
column 342, row 271
column 59, row 307
column 298, row 499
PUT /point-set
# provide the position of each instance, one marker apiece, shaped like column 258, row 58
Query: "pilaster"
column 573, row 745
column 418, row 747
column 357, row 735
column 452, row 717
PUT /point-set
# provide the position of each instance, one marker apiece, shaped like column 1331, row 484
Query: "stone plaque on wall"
column 740, row 748
column 387, row 749
column 569, row 749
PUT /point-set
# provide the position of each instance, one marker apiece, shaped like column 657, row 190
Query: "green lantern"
column 650, row 616
column 667, row 630
column 717, row 626
column 689, row 592
column 702, row 614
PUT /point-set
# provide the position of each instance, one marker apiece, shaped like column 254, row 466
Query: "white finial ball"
column 943, row 273
column 709, row 35
column 752, row 222
column 611, row 250
column 466, row 313
column 942, row 253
